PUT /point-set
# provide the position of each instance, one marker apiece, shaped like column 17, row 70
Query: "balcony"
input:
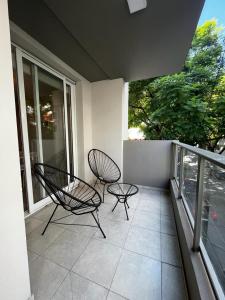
column 171, row 248
column 139, row 259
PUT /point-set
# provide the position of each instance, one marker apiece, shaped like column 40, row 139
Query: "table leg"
column 125, row 203
column 115, row 204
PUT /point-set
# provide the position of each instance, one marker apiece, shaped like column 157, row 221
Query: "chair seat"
column 90, row 200
column 104, row 168
column 78, row 197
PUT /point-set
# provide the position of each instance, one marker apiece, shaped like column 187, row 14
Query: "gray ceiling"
column 101, row 40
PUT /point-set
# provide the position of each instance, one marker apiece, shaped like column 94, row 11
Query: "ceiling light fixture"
column 136, row 5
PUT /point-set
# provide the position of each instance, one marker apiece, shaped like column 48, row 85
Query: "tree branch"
column 143, row 110
column 216, row 138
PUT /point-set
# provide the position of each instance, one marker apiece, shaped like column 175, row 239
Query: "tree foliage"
column 190, row 105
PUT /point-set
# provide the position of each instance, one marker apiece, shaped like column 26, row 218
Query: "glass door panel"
column 32, row 110
column 20, row 133
column 70, row 128
column 52, row 115
column 44, row 120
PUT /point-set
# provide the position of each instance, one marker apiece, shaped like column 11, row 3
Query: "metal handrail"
column 215, row 158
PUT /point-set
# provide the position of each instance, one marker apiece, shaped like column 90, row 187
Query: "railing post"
column 181, row 177
column 174, row 161
column 199, row 202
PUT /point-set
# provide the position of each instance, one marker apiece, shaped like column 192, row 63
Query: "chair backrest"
column 103, row 167
column 72, row 196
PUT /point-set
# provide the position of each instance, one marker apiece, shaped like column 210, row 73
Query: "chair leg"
column 103, row 193
column 50, row 219
column 99, row 225
column 96, row 181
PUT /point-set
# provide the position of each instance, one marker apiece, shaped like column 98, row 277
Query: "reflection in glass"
column 32, row 123
column 70, row 128
column 178, row 163
column 213, row 218
column 19, row 132
column 52, row 112
column 45, row 112
column 190, row 166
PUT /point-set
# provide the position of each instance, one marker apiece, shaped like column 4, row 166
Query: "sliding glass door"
column 70, row 118
column 46, row 109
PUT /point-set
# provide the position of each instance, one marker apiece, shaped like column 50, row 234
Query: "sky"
column 213, row 9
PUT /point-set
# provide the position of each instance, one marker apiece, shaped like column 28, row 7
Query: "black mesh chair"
column 104, row 168
column 78, row 197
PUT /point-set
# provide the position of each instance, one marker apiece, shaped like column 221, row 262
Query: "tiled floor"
column 139, row 259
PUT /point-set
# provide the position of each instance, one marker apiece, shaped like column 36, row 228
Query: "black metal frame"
column 122, row 198
column 104, row 168
column 78, row 197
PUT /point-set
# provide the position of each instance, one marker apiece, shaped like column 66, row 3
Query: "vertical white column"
column 87, row 127
column 125, row 110
column 109, row 106
column 125, row 107
column 14, row 274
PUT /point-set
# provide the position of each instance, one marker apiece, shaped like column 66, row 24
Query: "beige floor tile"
column 75, row 287
column 145, row 242
column 137, row 277
column 67, row 248
column 45, row 277
column 98, row 262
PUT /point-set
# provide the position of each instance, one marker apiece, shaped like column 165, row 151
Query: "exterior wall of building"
column 83, row 95
column 14, row 274
column 101, row 107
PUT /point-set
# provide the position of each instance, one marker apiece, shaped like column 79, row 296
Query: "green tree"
column 190, row 105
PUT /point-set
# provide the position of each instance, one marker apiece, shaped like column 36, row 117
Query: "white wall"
column 87, row 127
column 109, row 103
column 79, row 129
column 148, row 163
column 125, row 110
column 83, row 95
column 14, row 274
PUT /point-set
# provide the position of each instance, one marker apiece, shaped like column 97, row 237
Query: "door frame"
column 20, row 54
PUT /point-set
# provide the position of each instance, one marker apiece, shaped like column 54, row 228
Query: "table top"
column 122, row 189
